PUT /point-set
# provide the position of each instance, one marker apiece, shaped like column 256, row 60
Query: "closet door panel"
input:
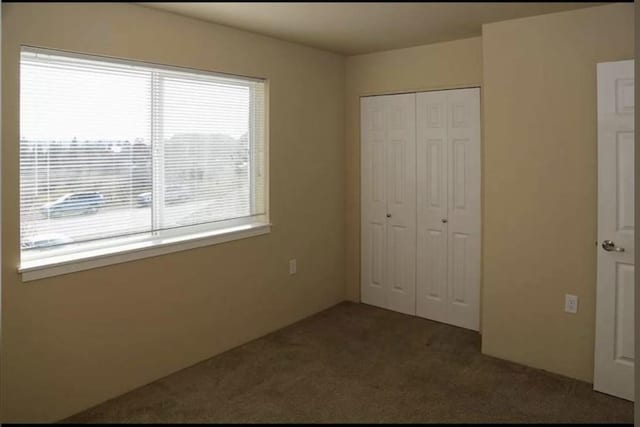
column 374, row 287
column 432, row 205
column 401, row 201
column 421, row 204
column 463, row 249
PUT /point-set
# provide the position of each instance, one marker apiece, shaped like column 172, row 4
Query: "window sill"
column 55, row 266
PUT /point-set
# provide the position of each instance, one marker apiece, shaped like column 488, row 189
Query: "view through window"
column 112, row 148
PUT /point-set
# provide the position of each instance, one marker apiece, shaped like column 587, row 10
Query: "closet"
column 420, row 204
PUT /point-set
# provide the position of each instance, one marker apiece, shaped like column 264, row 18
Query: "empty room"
column 318, row 212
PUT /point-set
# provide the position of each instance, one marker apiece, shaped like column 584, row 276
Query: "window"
column 116, row 156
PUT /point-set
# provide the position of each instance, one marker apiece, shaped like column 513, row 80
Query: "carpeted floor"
column 356, row 363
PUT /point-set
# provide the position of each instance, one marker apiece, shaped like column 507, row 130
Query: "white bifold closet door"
column 448, row 206
column 388, row 195
column 420, row 189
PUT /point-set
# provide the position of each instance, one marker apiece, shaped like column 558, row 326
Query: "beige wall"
column 72, row 341
column 539, row 176
column 435, row 66
column 637, row 221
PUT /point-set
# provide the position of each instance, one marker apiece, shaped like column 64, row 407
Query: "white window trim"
column 147, row 245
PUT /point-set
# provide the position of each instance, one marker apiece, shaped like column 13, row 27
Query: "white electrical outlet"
column 571, row 303
column 292, row 266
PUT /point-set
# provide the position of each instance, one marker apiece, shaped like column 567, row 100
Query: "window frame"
column 113, row 250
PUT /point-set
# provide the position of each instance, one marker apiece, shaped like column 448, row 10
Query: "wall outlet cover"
column 571, row 303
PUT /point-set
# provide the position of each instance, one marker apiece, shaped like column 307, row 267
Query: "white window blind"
column 112, row 148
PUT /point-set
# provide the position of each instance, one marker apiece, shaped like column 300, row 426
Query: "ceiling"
column 356, row 28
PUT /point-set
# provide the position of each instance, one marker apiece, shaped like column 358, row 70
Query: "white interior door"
column 401, row 203
column 448, row 203
column 388, row 201
column 464, row 224
column 432, row 205
column 614, row 344
column 373, row 153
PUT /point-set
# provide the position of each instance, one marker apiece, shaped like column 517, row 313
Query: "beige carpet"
column 356, row 363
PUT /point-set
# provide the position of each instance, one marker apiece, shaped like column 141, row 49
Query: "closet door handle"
column 388, row 215
column 444, row 220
